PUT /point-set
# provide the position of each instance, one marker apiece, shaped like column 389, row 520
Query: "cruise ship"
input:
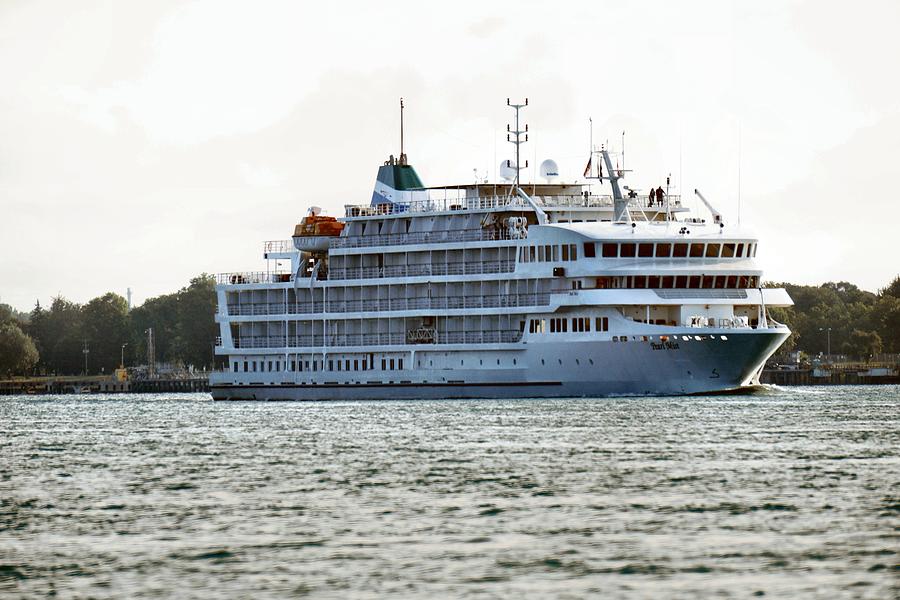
column 500, row 290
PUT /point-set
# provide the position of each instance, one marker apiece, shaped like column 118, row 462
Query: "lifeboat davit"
column 315, row 231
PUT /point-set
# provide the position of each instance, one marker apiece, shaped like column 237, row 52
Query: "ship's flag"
column 587, row 169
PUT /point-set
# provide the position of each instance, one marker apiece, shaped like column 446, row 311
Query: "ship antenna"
column 402, row 154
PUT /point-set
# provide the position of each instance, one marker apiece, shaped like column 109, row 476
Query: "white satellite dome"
column 549, row 170
column 508, row 170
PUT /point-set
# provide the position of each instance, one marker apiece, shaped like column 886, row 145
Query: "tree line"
column 856, row 323
column 52, row 340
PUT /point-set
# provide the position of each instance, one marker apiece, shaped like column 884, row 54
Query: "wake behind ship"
column 502, row 290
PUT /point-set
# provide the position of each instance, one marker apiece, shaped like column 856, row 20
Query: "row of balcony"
column 436, row 269
column 389, row 304
column 504, row 336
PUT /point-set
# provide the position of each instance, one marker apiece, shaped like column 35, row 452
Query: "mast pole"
column 402, row 154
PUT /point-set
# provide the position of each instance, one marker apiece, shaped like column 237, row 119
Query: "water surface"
column 793, row 493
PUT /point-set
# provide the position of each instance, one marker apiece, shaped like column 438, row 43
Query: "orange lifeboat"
column 314, row 231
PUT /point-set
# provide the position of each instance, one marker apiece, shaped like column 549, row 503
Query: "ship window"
column 383, row 364
column 253, row 365
column 330, row 365
column 555, row 253
column 663, row 250
column 347, row 365
column 245, row 366
column 356, row 364
column 589, row 250
column 740, row 250
column 727, row 250
column 696, row 250
column 754, row 282
column 392, row 364
column 610, row 250
column 732, row 282
column 316, row 365
column 707, row 282
column 712, row 251
column 645, row 250
column 498, row 362
column 339, row 365
column 234, row 368
column 542, row 361
column 720, row 282
column 565, row 325
column 531, row 254
column 640, row 282
column 565, row 252
column 400, row 363
column 514, row 361
column 694, row 282
column 573, row 252
column 627, row 251
column 668, row 281
column 591, row 360
column 278, row 365
column 679, row 250
column 653, row 282
column 548, row 253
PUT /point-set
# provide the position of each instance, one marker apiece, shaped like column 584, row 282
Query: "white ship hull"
column 547, row 370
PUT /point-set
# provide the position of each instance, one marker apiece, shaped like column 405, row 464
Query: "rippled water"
column 793, row 493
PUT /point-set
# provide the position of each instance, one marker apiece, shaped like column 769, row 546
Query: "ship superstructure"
column 499, row 290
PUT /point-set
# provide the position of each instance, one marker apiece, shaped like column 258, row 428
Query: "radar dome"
column 508, row 170
column 549, row 170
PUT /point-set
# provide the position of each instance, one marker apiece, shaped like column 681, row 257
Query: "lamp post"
column 827, row 330
column 122, row 362
column 85, row 351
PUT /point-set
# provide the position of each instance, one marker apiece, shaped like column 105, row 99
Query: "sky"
column 142, row 144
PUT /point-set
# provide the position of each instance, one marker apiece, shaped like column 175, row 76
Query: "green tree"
column 58, row 332
column 863, row 344
column 17, row 351
column 105, row 325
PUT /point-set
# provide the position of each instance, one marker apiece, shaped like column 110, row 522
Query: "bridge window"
column 627, row 251
column 681, row 282
column 653, row 282
column 555, row 253
column 707, row 282
column 645, row 250
column 694, row 282
column 668, row 281
column 727, row 250
column 663, row 250
column 601, row 324
column 640, row 282
column 696, row 250
column 712, row 251
column 573, row 251
column 720, row 282
column 610, row 250
column 565, row 252
column 679, row 250
column 740, row 250
column 589, row 250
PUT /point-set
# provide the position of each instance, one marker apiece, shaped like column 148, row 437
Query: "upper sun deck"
column 487, row 197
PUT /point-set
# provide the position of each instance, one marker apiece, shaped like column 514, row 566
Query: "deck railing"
column 280, row 246
column 250, row 277
column 467, row 268
column 451, row 200
column 420, row 237
column 390, row 304
column 503, row 336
